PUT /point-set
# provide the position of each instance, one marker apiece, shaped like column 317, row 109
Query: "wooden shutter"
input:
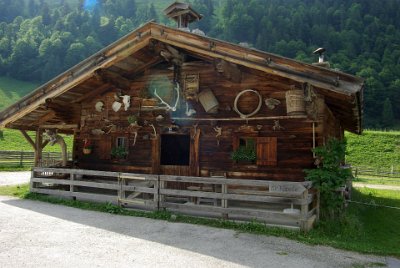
column 267, row 151
column 104, row 148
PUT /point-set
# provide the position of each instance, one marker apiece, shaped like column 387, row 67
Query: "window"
column 121, row 142
column 245, row 150
column 175, row 150
column 258, row 150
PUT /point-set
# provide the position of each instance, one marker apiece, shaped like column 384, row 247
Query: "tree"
column 387, row 114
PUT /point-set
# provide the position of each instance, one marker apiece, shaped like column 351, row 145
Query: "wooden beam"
column 38, row 149
column 241, row 119
column 44, row 144
column 28, row 138
column 91, row 94
column 50, row 115
column 115, row 79
column 142, row 68
column 60, row 126
column 80, row 73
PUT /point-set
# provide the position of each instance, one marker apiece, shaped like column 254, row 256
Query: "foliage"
column 374, row 149
column 329, row 176
column 12, row 90
column 132, row 119
column 365, row 229
column 387, row 114
column 119, row 152
column 20, row 191
column 245, row 152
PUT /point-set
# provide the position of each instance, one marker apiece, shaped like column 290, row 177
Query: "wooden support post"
column 28, row 139
column 121, row 192
column 38, row 147
column 155, row 152
column 32, row 184
column 224, row 202
column 71, row 186
column 21, row 159
column 161, row 198
column 157, row 194
column 304, row 212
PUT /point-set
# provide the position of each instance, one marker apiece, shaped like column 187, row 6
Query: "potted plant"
column 87, row 146
column 119, row 152
column 132, row 120
column 244, row 154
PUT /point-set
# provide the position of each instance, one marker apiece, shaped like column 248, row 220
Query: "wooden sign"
column 286, row 187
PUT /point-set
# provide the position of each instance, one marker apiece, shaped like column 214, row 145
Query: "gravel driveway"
column 36, row 234
column 13, row 178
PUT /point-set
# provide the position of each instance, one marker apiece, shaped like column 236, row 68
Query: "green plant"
column 132, row 119
column 244, row 153
column 119, row 152
column 329, row 176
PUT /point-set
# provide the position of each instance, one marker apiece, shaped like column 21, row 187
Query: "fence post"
column 304, row 212
column 157, row 193
column 31, row 183
column 71, row 186
column 161, row 197
column 21, row 159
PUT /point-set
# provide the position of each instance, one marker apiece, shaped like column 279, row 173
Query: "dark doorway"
column 175, row 150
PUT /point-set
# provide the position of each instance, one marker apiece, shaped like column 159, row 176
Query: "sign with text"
column 286, row 187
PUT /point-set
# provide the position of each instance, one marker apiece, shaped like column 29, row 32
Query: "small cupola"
column 183, row 14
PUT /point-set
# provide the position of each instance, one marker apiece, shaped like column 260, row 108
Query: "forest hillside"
column 41, row 38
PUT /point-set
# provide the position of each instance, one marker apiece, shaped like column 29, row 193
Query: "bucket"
column 209, row 101
column 295, row 104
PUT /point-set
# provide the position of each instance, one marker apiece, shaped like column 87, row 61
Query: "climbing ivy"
column 329, row 176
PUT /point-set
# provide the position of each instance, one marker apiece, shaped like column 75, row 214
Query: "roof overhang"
column 343, row 92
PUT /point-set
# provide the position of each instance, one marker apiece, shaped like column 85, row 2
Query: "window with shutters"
column 258, row 150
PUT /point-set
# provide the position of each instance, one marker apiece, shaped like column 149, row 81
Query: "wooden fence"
column 26, row 159
column 288, row 204
column 383, row 172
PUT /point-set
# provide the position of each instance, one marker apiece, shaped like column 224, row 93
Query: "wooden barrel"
column 295, row 104
column 209, row 101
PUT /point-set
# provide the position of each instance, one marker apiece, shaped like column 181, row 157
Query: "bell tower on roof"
column 183, row 14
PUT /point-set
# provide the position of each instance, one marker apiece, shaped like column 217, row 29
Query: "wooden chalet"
column 181, row 120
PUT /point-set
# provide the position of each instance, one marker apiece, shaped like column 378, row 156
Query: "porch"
column 277, row 203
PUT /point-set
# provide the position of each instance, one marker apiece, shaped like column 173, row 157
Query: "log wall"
column 213, row 155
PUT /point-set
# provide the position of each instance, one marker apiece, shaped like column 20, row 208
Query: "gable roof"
column 343, row 92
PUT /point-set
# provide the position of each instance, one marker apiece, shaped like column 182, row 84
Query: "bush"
column 329, row 176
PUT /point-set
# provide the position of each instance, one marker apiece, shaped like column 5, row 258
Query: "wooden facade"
column 150, row 66
column 163, row 101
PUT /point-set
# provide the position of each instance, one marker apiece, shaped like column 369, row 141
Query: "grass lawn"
column 12, row 90
column 374, row 149
column 365, row 229
column 377, row 180
column 14, row 141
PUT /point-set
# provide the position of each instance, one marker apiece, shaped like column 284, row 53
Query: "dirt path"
column 14, row 178
column 376, row 186
column 36, row 234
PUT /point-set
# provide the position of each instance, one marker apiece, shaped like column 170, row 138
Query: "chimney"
column 321, row 63
column 183, row 14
